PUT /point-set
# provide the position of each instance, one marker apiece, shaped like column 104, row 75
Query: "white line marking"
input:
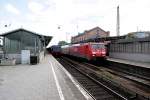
column 57, row 84
column 86, row 95
column 77, row 85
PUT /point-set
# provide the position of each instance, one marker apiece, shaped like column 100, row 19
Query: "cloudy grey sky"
column 72, row 16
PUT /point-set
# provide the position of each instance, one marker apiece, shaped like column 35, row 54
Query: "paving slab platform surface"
column 47, row 80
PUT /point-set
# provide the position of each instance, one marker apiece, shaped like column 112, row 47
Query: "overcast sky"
column 73, row 16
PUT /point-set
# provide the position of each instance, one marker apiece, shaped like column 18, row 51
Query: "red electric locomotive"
column 89, row 51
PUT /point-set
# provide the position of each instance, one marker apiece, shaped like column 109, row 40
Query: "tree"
column 130, row 36
column 61, row 43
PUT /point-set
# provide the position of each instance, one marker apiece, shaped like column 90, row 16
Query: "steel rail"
column 106, row 87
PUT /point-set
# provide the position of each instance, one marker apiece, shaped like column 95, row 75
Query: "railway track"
column 141, row 80
column 136, row 71
column 142, row 84
column 133, row 85
column 94, row 85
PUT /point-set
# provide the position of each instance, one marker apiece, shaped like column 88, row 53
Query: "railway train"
column 89, row 51
column 55, row 50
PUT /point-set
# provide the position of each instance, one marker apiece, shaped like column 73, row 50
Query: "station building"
column 23, row 47
column 93, row 33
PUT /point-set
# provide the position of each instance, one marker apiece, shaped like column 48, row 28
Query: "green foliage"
column 61, row 43
column 130, row 36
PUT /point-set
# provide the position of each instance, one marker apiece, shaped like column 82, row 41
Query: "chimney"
column 118, row 22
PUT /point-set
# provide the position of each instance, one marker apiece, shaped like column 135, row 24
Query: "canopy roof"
column 45, row 38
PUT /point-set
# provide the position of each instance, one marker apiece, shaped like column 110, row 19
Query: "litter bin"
column 33, row 60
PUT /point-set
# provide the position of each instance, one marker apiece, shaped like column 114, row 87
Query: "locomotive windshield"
column 98, row 46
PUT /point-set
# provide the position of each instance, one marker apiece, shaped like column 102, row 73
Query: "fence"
column 134, row 46
column 131, row 49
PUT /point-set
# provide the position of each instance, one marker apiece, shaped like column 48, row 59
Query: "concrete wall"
column 131, row 56
column 18, row 57
column 15, row 56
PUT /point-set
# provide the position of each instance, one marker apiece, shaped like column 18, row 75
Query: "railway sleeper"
column 106, row 92
column 99, row 89
column 104, row 97
column 100, row 94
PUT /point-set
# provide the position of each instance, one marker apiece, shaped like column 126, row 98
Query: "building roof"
column 94, row 29
column 43, row 37
column 87, row 31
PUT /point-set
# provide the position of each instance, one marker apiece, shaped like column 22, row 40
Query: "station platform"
column 47, row 80
column 140, row 64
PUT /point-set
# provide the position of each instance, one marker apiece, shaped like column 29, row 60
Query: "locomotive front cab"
column 98, row 50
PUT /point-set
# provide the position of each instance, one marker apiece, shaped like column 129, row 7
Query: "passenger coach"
column 55, row 50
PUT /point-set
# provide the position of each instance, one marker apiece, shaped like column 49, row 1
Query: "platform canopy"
column 43, row 38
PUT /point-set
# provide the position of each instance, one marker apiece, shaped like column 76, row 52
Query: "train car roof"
column 55, row 46
column 96, row 43
column 64, row 46
column 93, row 43
column 89, row 43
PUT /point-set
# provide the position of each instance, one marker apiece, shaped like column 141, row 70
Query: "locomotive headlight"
column 103, row 52
column 93, row 53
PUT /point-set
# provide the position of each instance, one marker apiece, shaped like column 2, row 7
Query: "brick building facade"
column 90, row 34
